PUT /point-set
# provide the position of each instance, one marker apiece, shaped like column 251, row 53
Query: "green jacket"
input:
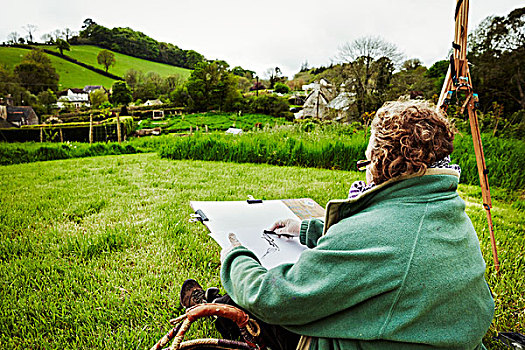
column 399, row 267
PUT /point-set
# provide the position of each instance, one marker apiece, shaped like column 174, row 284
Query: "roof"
column 153, row 102
column 77, row 91
column 343, row 101
column 90, row 88
column 15, row 114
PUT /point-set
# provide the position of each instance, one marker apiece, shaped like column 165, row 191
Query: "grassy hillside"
column 71, row 75
column 88, row 54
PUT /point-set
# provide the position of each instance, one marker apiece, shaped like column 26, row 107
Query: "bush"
column 281, row 88
column 268, row 104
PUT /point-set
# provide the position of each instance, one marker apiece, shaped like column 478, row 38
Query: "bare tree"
column 364, row 58
column 30, row 29
column 13, row 37
column 273, row 75
column 57, row 34
column 47, row 38
column 68, row 33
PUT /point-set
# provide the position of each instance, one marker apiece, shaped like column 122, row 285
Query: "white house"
column 76, row 97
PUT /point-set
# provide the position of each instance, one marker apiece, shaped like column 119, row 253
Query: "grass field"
column 75, row 76
column 88, row 54
column 71, row 75
column 214, row 121
column 93, row 251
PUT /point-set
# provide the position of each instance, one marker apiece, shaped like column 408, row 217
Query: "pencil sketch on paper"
column 273, row 247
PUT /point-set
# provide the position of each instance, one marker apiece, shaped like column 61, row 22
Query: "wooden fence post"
column 206, row 127
column 118, row 128
column 41, row 134
column 61, row 136
column 90, row 129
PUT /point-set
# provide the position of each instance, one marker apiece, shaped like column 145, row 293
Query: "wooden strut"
column 458, row 79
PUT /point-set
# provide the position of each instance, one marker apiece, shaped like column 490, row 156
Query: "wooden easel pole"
column 462, row 81
column 483, row 177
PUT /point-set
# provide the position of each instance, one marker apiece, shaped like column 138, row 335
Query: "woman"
column 398, row 265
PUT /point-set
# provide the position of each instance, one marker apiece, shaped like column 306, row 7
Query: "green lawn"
column 214, row 121
column 71, row 75
column 93, row 251
column 88, row 54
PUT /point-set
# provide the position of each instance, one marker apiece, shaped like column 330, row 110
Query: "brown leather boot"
column 191, row 294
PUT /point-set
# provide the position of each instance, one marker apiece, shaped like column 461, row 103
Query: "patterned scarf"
column 359, row 187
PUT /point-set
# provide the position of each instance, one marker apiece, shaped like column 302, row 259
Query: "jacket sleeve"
column 311, row 231
column 324, row 281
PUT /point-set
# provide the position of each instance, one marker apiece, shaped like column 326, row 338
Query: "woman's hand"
column 234, row 243
column 287, row 226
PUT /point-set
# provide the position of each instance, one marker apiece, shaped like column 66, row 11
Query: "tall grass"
column 334, row 147
column 16, row 153
column 329, row 147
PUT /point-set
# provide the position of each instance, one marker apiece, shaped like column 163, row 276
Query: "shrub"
column 281, row 88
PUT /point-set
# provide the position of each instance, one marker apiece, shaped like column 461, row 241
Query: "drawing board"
column 248, row 221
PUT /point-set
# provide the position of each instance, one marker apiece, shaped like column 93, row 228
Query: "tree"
column 412, row 80
column 68, row 33
column 12, row 38
column 88, row 22
column 497, row 54
column 62, row 45
column 30, row 29
column 10, row 85
column 212, row 86
column 47, row 38
column 121, row 94
column 57, row 34
column 273, row 75
column 360, row 67
column 47, row 99
column 98, row 97
column 106, row 58
column 36, row 73
column 281, row 88
column 37, row 56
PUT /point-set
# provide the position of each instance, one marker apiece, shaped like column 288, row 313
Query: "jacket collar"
column 332, row 213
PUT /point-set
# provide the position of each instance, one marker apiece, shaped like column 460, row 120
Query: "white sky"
column 264, row 34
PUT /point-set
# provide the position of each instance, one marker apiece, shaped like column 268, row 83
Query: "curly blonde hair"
column 407, row 137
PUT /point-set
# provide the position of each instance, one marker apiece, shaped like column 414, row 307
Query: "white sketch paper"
column 248, row 222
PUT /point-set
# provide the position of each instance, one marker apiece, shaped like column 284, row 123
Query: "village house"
column 75, row 97
column 317, row 100
column 16, row 116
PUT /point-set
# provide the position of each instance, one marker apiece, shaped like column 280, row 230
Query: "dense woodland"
column 137, row 44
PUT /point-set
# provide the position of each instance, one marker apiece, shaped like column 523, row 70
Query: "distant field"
column 88, row 54
column 71, row 75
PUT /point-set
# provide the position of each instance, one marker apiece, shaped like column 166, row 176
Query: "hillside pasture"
column 71, row 75
column 88, row 54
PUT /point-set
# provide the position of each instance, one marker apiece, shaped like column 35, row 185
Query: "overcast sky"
column 263, row 34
